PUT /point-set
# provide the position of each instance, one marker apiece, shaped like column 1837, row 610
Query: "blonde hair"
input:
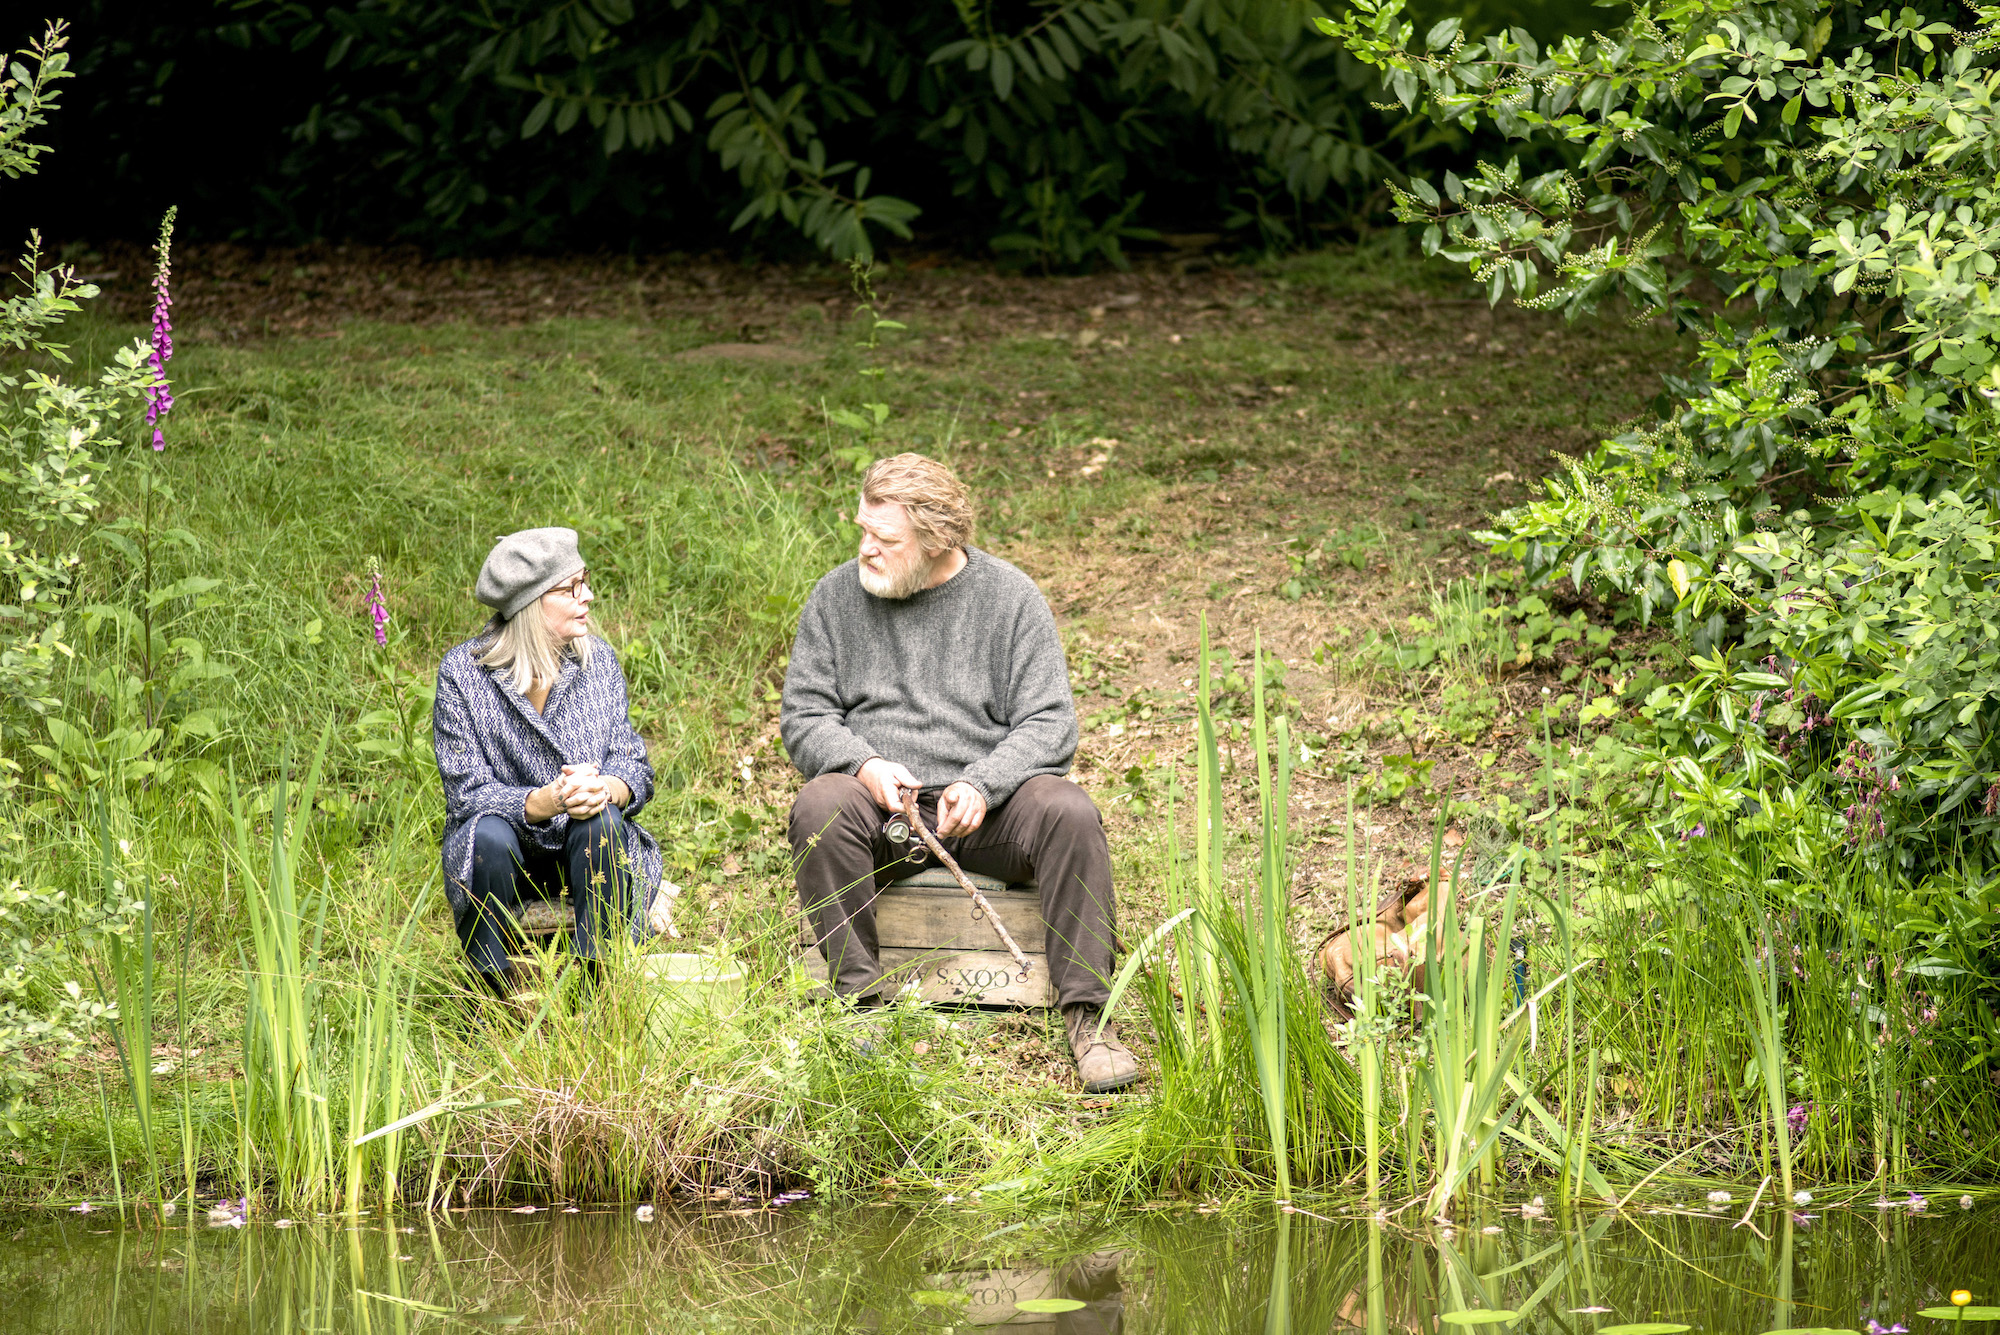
column 938, row 504
column 524, row 648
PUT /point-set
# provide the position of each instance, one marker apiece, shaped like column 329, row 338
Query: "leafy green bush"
column 1055, row 132
column 837, row 119
column 1806, row 189
column 53, row 435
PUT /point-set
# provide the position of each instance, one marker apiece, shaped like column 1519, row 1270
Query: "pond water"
column 797, row 1267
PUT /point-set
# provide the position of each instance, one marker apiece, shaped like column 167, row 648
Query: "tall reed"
column 1768, row 1034
column 1236, row 992
column 375, row 1068
column 1467, row 1059
column 1369, row 1031
column 130, row 967
column 190, row 1158
column 1258, row 970
column 285, row 1117
column 1470, row 1059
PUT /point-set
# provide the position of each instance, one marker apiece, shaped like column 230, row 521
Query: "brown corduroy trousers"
column 1048, row 831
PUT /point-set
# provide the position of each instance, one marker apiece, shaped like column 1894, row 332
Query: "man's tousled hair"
column 939, row 506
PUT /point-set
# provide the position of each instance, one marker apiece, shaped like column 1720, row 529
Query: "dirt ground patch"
column 234, row 293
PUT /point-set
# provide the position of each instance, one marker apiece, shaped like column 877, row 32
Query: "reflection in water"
column 890, row 1270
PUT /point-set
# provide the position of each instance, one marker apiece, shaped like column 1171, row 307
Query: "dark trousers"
column 591, row 865
column 1048, row 831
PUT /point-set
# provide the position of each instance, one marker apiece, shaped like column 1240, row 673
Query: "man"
column 928, row 664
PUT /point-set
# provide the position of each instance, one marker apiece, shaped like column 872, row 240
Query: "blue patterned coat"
column 494, row 748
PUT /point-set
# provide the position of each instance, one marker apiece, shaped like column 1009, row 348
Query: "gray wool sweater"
column 963, row 681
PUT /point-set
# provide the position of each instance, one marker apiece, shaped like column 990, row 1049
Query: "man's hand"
column 961, row 810
column 885, row 781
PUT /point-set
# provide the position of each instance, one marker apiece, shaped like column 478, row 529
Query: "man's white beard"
column 898, row 585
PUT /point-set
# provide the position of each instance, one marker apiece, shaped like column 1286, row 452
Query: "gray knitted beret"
column 523, row 566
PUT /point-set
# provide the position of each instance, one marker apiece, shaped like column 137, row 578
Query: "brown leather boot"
column 871, row 1032
column 1104, row 1063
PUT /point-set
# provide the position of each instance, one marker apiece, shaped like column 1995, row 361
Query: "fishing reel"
column 898, row 832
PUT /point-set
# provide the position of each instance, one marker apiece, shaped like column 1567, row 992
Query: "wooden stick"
column 951, row 865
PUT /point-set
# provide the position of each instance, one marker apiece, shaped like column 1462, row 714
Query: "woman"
column 542, row 768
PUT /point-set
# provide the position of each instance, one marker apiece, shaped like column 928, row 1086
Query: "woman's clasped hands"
column 580, row 793
column 584, row 792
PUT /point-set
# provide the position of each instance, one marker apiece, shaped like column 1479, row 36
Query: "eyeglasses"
column 574, row 590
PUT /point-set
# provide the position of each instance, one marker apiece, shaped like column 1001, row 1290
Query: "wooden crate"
column 545, row 917
column 926, row 931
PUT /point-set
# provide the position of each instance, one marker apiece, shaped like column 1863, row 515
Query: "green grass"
column 1302, row 454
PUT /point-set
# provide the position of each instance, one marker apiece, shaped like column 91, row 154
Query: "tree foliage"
column 1808, row 189
column 840, row 120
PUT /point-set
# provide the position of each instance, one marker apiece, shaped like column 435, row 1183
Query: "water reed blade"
column 285, row 1118
column 130, row 969
column 1768, row 1040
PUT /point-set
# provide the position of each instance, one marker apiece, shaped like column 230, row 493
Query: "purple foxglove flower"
column 160, row 396
column 378, row 608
